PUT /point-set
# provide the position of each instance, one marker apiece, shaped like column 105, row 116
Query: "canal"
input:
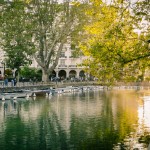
column 90, row 120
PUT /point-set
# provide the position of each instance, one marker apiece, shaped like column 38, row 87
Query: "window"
column 62, row 62
column 62, row 54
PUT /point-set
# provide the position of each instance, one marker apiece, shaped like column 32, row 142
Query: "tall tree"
column 16, row 42
column 114, row 48
column 39, row 29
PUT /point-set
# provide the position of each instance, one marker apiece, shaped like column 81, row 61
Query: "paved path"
column 40, row 85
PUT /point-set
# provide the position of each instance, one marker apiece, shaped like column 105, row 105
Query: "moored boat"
column 14, row 95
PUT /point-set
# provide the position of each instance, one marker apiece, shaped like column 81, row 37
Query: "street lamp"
column 3, row 67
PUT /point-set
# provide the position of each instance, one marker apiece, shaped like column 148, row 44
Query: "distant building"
column 68, row 65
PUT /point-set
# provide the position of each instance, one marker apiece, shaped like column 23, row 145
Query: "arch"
column 82, row 73
column 52, row 75
column 72, row 73
column 62, row 74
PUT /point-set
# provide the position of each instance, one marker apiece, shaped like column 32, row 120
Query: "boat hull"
column 7, row 96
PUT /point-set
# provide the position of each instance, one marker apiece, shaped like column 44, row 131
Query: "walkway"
column 40, row 85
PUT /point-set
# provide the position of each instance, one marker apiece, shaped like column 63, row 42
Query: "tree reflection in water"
column 90, row 120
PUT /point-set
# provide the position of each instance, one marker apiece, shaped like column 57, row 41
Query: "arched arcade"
column 62, row 74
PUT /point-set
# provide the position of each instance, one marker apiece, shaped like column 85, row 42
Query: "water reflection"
column 86, row 120
column 144, row 111
column 140, row 138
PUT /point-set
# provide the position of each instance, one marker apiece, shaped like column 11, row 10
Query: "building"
column 68, row 65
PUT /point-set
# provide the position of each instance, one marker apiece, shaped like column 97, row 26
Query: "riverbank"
column 41, row 85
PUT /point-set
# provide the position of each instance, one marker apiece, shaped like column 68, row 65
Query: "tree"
column 30, row 73
column 15, row 41
column 115, row 51
column 141, row 10
column 39, row 29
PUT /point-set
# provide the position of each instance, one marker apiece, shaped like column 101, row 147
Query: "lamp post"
column 3, row 68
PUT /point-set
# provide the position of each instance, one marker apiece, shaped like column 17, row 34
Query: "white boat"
column 14, row 95
column 5, row 96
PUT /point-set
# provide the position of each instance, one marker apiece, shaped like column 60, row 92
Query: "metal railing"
column 23, row 84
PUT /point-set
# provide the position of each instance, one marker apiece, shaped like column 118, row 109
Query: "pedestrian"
column 71, row 79
column 15, row 82
column 1, row 80
column 6, row 82
column 12, row 82
column 23, row 80
column 30, row 81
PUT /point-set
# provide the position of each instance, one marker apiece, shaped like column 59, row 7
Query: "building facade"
column 68, row 65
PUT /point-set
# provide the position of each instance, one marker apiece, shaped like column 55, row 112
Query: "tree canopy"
column 38, row 30
column 115, row 51
column 15, row 41
column 114, row 36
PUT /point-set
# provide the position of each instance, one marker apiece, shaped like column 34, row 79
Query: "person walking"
column 6, row 82
column 12, row 82
column 15, row 82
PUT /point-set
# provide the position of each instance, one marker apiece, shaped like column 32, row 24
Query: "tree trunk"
column 45, row 76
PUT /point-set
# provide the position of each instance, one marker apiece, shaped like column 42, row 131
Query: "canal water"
column 90, row 120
